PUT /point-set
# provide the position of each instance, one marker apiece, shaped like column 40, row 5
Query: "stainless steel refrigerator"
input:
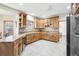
column 73, row 35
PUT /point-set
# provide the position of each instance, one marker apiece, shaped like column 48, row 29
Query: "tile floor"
column 46, row 48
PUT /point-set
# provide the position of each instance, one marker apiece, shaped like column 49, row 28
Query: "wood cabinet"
column 20, row 46
column 24, row 39
column 6, row 49
column 11, row 48
column 16, row 52
column 32, row 38
column 54, row 22
column 54, row 36
column 39, row 23
column 28, row 39
column 22, row 20
column 45, row 36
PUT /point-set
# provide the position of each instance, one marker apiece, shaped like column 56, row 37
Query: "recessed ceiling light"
column 20, row 3
column 68, row 7
column 43, row 16
column 32, row 14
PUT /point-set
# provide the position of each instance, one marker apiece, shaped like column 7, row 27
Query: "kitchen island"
column 11, row 46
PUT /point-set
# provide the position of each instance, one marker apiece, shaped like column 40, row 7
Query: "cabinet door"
column 55, row 23
column 6, row 49
column 36, row 37
column 29, row 39
column 20, row 46
column 45, row 36
column 39, row 23
column 16, row 52
column 32, row 38
column 54, row 36
column 24, row 40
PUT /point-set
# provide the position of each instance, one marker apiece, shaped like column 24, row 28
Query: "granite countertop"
column 7, row 39
column 13, row 38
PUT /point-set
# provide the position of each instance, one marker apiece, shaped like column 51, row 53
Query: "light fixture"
column 50, row 8
column 32, row 14
column 68, row 7
column 43, row 16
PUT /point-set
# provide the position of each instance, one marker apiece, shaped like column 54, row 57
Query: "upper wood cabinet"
column 54, row 22
column 22, row 20
column 39, row 23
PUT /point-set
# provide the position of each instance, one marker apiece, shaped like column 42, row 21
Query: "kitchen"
column 28, row 30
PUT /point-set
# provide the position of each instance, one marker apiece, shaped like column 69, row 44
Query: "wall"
column 62, row 25
column 62, row 28
column 1, row 25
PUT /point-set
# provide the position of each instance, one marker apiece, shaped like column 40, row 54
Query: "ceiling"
column 41, row 9
column 5, row 12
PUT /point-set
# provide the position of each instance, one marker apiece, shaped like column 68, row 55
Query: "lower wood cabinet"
column 20, row 46
column 54, row 36
column 11, row 48
column 16, row 52
column 6, row 49
column 30, row 38
column 45, row 36
column 24, row 39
